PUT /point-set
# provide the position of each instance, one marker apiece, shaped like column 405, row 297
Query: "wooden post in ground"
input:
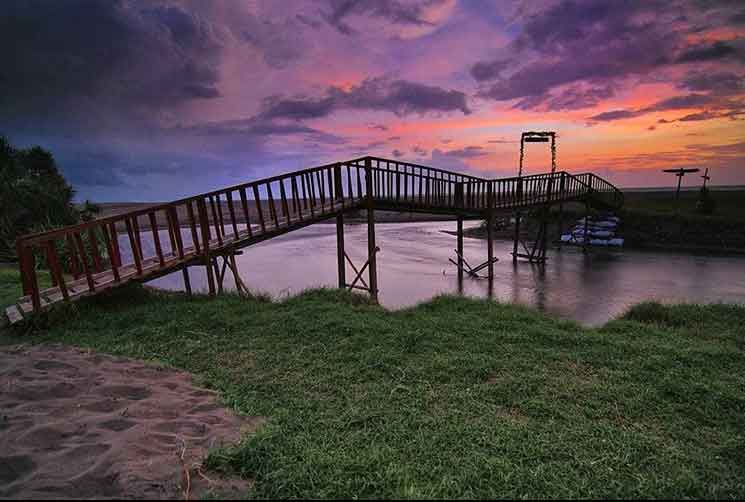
column 371, row 247
column 204, row 226
column 187, row 281
column 239, row 286
column 340, row 252
column 460, row 253
column 219, row 276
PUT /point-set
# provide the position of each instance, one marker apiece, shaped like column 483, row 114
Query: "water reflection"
column 413, row 266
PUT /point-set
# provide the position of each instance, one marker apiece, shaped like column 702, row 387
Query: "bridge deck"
column 95, row 256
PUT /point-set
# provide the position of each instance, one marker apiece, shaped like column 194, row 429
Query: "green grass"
column 10, row 285
column 454, row 398
column 730, row 204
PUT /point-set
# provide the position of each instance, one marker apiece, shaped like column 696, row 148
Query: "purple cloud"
column 710, row 52
column 468, row 152
column 389, row 10
column 576, row 53
column 398, row 96
column 721, row 83
column 614, row 115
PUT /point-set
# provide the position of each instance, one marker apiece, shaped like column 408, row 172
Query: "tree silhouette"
column 34, row 196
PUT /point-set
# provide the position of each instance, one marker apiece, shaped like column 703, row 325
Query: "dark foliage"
column 34, row 196
column 706, row 203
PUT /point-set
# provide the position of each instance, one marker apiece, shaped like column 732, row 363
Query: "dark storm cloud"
column 62, row 55
column 393, row 11
column 570, row 42
column 598, row 44
column 572, row 98
column 300, row 109
column 488, row 70
column 738, row 18
column 680, row 102
column 716, row 107
column 398, row 96
column 713, row 52
column 674, row 103
column 721, row 83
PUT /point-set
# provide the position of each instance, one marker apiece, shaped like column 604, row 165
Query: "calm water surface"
column 413, row 266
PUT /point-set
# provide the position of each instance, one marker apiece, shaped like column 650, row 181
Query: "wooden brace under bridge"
column 222, row 222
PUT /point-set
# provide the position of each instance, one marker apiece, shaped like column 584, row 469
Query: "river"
column 413, row 266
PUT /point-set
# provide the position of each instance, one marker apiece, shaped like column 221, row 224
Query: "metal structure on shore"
column 209, row 229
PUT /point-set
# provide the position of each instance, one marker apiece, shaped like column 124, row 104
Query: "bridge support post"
column 205, row 229
column 460, row 254
column 517, row 237
column 371, row 245
column 342, row 269
column 187, row 280
column 490, row 232
column 562, row 194
column 587, row 223
column 561, row 222
column 219, row 276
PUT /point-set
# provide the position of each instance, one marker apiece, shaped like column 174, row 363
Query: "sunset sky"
column 146, row 101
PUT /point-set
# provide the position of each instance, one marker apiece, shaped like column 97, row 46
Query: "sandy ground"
column 77, row 424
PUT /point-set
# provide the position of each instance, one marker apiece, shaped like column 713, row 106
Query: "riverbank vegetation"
column 649, row 221
column 34, row 196
column 453, row 398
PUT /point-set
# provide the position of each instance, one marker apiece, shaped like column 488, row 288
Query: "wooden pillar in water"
column 490, row 231
column 371, row 246
column 490, row 243
column 340, row 263
column 517, row 236
column 562, row 189
column 340, row 251
column 460, row 253
column 587, row 223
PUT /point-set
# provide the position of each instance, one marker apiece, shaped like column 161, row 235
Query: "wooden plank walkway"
column 87, row 259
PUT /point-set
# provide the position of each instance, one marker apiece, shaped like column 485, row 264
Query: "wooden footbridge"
column 91, row 257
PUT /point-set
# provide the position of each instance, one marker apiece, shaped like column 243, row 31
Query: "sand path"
column 78, row 424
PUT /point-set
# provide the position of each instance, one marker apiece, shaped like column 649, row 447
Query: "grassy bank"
column 649, row 221
column 730, row 204
column 453, row 398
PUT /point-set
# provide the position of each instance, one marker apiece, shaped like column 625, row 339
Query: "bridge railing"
column 103, row 252
column 413, row 185
column 603, row 191
column 408, row 184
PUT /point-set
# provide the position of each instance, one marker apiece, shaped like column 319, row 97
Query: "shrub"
column 34, row 196
column 706, row 203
